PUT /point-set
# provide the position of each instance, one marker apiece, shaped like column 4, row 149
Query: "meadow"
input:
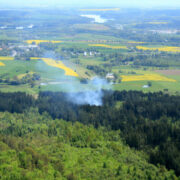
column 19, row 69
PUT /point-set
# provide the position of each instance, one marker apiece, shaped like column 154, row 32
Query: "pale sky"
column 94, row 3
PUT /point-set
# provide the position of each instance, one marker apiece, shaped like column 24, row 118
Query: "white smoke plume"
column 93, row 96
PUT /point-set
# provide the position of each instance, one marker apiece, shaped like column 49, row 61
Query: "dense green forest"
column 34, row 146
column 146, row 122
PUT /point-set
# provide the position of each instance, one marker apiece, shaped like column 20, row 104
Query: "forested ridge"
column 149, row 122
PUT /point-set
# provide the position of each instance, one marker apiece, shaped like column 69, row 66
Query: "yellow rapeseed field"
column 146, row 77
column 6, row 58
column 135, row 42
column 2, row 64
column 108, row 46
column 165, row 48
column 34, row 58
column 20, row 76
column 58, row 64
column 42, row 41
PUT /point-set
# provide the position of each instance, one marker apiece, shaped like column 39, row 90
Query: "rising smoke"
column 81, row 94
column 91, row 96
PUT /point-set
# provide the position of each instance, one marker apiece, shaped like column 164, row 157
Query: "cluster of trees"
column 27, row 79
column 117, row 59
column 48, row 46
column 98, row 70
column 148, row 122
column 158, row 60
column 5, row 52
column 152, row 59
column 22, row 54
column 15, row 102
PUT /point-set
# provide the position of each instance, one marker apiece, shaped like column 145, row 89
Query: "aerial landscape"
column 89, row 91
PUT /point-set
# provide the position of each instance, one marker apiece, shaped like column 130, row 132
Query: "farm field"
column 159, row 81
column 147, row 77
column 20, row 69
column 54, row 74
column 6, row 58
column 95, row 27
column 169, row 72
column 108, row 46
column 57, row 64
column 2, row 64
column 42, row 41
column 163, row 49
column 88, row 49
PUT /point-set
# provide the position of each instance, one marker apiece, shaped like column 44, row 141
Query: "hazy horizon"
column 92, row 3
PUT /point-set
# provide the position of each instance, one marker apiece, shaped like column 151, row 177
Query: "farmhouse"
column 85, row 53
column 110, row 76
column 145, row 86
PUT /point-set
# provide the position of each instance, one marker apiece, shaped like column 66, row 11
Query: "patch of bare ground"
column 169, row 72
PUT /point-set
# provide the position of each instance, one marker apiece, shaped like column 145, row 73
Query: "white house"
column 110, row 76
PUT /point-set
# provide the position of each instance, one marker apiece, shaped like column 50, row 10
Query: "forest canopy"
column 148, row 122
